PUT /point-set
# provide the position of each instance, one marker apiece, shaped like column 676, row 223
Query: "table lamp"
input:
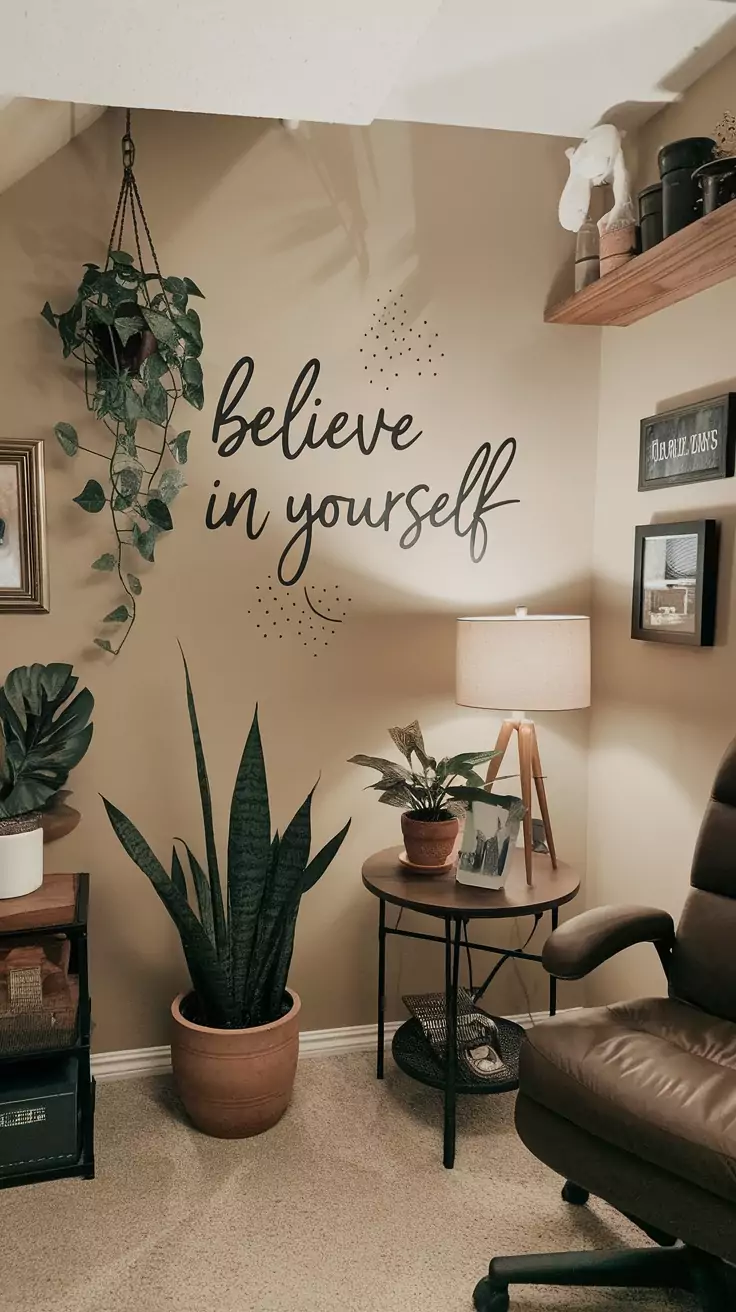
column 540, row 662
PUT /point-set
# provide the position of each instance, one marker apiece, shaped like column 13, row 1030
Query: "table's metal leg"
column 452, row 973
column 381, row 986
column 552, row 980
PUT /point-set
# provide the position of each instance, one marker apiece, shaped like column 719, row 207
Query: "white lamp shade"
column 524, row 662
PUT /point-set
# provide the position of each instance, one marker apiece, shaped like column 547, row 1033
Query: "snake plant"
column 238, row 948
column 43, row 735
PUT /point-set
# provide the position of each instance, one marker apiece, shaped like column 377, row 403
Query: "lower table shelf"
column 415, row 1058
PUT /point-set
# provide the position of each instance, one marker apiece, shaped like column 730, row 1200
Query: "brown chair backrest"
column 704, row 962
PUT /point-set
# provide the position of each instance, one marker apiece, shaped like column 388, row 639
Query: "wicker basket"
column 39, row 1001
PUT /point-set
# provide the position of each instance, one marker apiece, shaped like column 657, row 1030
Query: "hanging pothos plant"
column 139, row 342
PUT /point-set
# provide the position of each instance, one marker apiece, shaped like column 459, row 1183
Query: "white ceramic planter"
column 21, row 856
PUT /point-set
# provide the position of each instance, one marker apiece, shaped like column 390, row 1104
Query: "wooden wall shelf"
column 697, row 257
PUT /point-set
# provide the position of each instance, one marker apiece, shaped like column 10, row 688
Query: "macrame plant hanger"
column 130, row 204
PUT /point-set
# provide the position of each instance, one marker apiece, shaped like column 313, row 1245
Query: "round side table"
column 457, row 904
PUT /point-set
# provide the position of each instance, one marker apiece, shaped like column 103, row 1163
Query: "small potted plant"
column 43, row 735
column 430, row 798
column 235, row 1038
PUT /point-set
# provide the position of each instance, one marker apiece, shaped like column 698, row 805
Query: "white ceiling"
column 553, row 66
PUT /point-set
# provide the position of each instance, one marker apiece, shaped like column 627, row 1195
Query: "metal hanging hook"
column 128, row 145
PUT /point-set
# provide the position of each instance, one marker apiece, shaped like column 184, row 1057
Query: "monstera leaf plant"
column 239, row 940
column 138, row 341
column 45, row 732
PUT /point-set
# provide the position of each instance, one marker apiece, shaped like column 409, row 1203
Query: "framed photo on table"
column 675, row 582
column 23, row 567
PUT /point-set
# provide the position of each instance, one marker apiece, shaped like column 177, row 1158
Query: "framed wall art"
column 675, row 578
column 23, row 569
column 690, row 445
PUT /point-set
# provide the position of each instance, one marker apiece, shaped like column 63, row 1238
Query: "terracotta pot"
column 429, row 842
column 235, row 1083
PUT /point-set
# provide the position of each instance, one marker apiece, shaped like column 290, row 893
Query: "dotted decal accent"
column 394, row 346
column 312, row 616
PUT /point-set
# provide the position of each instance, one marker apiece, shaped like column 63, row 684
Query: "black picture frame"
column 699, row 599
column 709, row 421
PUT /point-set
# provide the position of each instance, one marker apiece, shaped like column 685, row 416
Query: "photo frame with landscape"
column 675, row 582
column 23, row 566
column 489, row 837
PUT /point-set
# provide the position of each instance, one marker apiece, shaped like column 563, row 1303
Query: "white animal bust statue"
column 598, row 159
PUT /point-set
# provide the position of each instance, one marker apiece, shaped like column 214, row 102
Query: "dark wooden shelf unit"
column 58, row 907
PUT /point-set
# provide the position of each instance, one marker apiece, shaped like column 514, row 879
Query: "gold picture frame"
column 24, row 583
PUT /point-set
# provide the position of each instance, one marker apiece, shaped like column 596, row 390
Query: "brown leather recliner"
column 636, row 1103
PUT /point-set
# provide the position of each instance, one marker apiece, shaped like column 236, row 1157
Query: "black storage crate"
column 39, row 1116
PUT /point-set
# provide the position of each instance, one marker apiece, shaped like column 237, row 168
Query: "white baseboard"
column 312, row 1043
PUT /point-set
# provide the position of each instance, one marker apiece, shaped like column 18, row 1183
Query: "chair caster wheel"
column 486, row 1299
column 572, row 1193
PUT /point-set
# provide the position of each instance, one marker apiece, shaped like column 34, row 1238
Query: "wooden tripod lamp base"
column 529, row 768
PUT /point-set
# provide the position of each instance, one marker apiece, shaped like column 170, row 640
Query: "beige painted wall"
column 662, row 716
column 296, row 241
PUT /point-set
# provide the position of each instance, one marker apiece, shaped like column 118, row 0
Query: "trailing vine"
column 139, row 343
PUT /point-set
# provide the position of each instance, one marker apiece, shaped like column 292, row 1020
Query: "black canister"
column 650, row 216
column 681, row 199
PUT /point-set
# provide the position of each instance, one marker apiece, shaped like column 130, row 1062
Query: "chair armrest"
column 589, row 939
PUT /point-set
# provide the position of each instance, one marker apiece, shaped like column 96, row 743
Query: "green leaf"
column 175, row 286
column 208, row 973
column 409, row 740
column 323, row 859
column 248, row 850
column 467, row 795
column 103, row 643
column 192, row 288
column 155, row 403
column 44, row 734
column 466, row 760
column 158, row 514
column 67, row 325
column 145, row 542
column 135, row 585
column 162, row 327
column 192, row 386
column 91, row 498
column 153, row 368
column 48, row 314
column 279, row 903
column 103, row 314
column 126, row 444
column 127, row 485
column 127, row 326
column 106, row 562
column 178, row 446
column 178, row 877
column 120, row 257
column 390, row 771
column 204, row 896
column 169, row 485
column 188, row 324
column 117, row 616
column 67, row 437
column 218, row 912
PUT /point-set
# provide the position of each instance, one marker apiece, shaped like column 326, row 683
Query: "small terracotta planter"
column 429, row 842
column 235, row 1083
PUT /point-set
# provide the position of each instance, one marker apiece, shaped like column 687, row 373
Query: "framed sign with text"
column 689, row 445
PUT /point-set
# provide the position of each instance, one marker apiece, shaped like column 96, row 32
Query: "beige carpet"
column 344, row 1207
